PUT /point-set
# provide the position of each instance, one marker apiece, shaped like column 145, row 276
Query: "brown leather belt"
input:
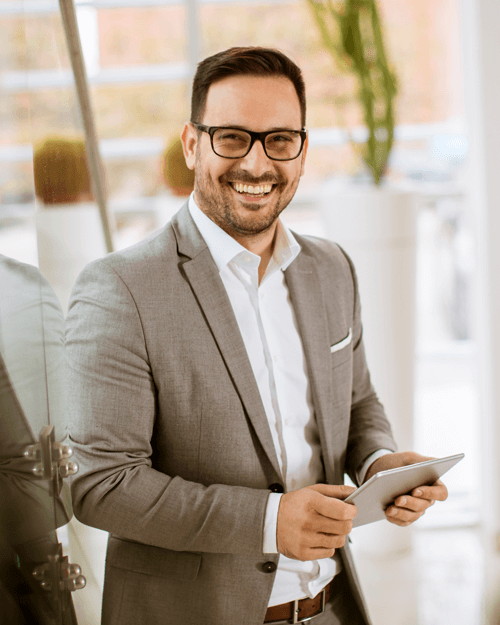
column 302, row 609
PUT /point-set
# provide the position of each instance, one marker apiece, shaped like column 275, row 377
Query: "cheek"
column 215, row 168
column 293, row 174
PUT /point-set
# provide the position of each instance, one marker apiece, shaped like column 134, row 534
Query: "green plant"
column 176, row 174
column 351, row 31
column 60, row 171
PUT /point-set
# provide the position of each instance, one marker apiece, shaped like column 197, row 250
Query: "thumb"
column 337, row 491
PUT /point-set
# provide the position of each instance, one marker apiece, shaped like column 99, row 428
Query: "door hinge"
column 51, row 459
column 57, row 575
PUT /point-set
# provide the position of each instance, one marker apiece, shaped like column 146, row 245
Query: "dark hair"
column 251, row 61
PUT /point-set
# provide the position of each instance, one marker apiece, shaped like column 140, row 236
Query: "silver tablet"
column 375, row 495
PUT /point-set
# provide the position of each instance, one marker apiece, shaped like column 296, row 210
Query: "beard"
column 218, row 201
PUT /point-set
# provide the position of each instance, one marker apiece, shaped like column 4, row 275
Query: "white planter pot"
column 69, row 236
column 377, row 228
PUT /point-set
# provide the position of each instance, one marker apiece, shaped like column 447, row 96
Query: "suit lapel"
column 310, row 311
column 204, row 278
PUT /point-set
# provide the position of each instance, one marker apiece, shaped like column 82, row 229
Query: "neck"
column 261, row 244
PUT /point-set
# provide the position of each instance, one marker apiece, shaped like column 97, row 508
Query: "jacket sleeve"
column 112, row 406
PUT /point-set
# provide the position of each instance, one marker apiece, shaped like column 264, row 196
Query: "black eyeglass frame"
column 254, row 136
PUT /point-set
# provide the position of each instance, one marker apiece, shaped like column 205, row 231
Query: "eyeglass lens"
column 234, row 143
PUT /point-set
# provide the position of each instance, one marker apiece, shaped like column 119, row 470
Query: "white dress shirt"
column 268, row 326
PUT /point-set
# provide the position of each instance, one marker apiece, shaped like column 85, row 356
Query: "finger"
column 396, row 521
column 324, row 541
column 338, row 491
column 415, row 504
column 324, row 525
column 435, row 492
column 334, row 508
column 330, row 542
column 402, row 515
column 315, row 553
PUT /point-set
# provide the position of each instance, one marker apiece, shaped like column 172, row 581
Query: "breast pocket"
column 342, row 350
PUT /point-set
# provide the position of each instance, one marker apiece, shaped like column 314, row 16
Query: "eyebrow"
column 276, row 129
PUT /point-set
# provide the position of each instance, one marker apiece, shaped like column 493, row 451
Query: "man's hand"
column 408, row 508
column 314, row 521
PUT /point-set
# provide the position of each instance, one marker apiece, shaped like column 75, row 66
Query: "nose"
column 256, row 161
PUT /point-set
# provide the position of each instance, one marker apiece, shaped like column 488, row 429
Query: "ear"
column 189, row 138
column 304, row 152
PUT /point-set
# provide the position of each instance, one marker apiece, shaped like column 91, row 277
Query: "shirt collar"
column 225, row 249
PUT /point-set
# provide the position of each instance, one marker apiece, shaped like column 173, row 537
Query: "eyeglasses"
column 279, row 145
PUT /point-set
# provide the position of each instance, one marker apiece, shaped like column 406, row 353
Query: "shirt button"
column 276, row 488
column 269, row 567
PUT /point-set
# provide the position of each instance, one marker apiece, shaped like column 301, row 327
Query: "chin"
column 254, row 219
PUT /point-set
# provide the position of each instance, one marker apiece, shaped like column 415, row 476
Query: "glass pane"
column 47, row 48
column 142, row 35
column 289, row 27
column 422, row 40
column 140, row 110
column 33, row 410
column 32, row 400
column 55, row 112
column 137, row 122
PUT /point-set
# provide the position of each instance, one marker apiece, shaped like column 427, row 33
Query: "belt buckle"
column 295, row 617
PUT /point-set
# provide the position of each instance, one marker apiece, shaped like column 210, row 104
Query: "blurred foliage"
column 60, row 170
column 176, row 174
column 351, row 32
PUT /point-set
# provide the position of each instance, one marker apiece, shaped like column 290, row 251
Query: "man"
column 220, row 385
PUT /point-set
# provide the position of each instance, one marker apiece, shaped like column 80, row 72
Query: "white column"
column 377, row 228
column 481, row 57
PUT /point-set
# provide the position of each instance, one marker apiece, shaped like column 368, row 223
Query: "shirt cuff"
column 360, row 474
column 270, row 523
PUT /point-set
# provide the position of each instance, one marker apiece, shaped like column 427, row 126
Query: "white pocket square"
column 341, row 344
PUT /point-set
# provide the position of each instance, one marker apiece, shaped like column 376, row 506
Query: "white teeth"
column 259, row 190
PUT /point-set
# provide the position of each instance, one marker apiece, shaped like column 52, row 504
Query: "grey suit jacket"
column 175, row 451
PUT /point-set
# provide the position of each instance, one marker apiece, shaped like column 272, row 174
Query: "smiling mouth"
column 253, row 190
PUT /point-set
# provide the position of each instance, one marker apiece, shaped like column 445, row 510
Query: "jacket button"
column 269, row 567
column 276, row 488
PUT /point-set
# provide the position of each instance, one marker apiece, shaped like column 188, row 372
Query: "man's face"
column 251, row 103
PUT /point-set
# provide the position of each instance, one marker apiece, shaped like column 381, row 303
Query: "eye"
column 281, row 138
column 230, row 135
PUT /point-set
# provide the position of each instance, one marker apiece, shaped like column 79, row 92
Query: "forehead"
column 255, row 102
